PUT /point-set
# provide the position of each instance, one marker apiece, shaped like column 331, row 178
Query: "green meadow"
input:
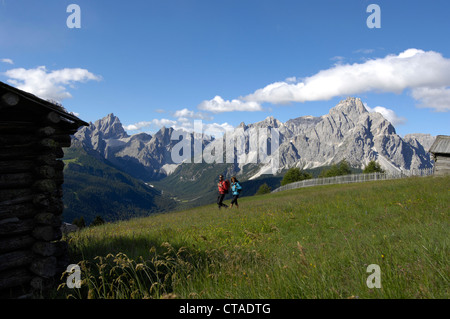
column 312, row 242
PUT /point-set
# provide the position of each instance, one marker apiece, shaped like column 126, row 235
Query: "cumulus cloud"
column 216, row 129
column 137, row 126
column 219, row 105
column 435, row 98
column 182, row 123
column 50, row 85
column 364, row 51
column 186, row 113
column 158, row 123
column 388, row 114
column 9, row 61
column 425, row 74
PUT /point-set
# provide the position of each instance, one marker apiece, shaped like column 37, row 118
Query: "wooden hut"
column 33, row 133
column 441, row 154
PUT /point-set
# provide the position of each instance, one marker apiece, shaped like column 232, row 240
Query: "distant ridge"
column 347, row 132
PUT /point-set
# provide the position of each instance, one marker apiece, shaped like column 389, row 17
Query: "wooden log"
column 16, row 180
column 49, row 203
column 48, row 219
column 16, row 243
column 69, row 127
column 50, row 159
column 17, row 139
column 44, row 248
column 46, row 159
column 25, row 210
column 16, row 166
column 63, row 140
column 16, row 259
column 46, row 131
column 38, row 284
column 45, row 172
column 61, row 248
column 47, row 143
column 31, row 150
column 20, row 127
column 22, row 152
column 9, row 99
column 56, row 249
column 44, row 267
column 59, row 165
column 53, row 118
column 47, row 233
column 14, row 226
column 17, row 200
column 7, row 195
column 45, row 186
column 14, row 277
column 42, row 200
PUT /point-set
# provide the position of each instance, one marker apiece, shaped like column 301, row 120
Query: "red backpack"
column 226, row 186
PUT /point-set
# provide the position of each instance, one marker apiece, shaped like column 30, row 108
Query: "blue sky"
column 168, row 62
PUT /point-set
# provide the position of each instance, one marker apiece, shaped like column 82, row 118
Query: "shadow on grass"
column 133, row 268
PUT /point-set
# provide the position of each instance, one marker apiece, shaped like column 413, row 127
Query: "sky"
column 169, row 63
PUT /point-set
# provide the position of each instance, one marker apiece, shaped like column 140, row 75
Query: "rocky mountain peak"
column 110, row 127
column 350, row 105
column 269, row 121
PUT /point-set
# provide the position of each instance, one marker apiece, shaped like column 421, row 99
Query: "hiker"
column 223, row 186
column 235, row 191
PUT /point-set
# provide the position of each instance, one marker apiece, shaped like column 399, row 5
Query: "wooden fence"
column 355, row 178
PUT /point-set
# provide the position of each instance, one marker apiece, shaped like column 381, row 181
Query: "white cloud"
column 435, row 98
column 137, row 126
column 153, row 124
column 186, row 113
column 426, row 74
column 388, row 114
column 219, row 105
column 9, row 61
column 49, row 85
column 164, row 122
column 182, row 123
column 364, row 51
column 338, row 59
column 291, row 79
column 216, row 129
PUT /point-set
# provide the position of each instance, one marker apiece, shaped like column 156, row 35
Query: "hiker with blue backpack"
column 236, row 189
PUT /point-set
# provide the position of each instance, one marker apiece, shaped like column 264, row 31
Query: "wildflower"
column 139, row 266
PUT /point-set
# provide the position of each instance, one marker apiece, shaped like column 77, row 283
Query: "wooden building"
column 33, row 133
column 441, row 155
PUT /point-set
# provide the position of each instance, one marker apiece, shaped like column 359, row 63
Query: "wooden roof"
column 28, row 102
column 441, row 145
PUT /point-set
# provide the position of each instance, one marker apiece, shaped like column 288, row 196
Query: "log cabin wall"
column 33, row 133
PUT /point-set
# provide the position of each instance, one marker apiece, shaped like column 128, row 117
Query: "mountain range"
column 347, row 132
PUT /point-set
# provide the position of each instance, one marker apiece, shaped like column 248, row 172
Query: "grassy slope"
column 305, row 243
column 94, row 187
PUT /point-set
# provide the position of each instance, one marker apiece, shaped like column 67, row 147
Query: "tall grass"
column 305, row 243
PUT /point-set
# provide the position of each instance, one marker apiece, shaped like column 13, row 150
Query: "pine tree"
column 373, row 167
column 263, row 189
column 98, row 220
column 295, row 174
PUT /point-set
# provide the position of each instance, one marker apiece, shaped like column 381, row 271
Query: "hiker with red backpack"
column 223, row 186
